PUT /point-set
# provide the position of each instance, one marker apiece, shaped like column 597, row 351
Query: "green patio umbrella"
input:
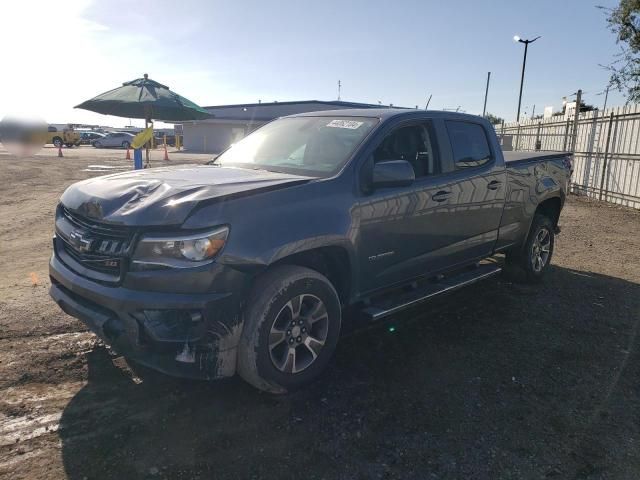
column 147, row 99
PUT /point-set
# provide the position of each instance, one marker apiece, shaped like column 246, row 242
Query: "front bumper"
column 180, row 334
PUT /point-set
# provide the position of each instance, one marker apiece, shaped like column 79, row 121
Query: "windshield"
column 315, row 146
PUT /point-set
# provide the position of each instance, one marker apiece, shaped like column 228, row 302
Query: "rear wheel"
column 126, row 144
column 534, row 258
column 291, row 328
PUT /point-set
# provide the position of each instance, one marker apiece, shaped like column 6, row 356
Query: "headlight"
column 155, row 251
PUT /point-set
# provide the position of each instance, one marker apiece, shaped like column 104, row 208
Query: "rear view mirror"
column 392, row 173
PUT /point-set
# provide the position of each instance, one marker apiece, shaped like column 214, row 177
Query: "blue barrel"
column 137, row 159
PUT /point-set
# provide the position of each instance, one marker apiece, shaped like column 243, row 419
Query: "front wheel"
column 534, row 258
column 57, row 142
column 291, row 327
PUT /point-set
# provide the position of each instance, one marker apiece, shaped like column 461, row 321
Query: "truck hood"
column 166, row 196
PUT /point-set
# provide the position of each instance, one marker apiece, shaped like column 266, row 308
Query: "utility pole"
column 524, row 64
column 575, row 121
column 606, row 96
column 486, row 93
column 339, row 88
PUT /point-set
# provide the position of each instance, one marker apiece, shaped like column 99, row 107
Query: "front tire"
column 534, row 258
column 291, row 328
column 57, row 142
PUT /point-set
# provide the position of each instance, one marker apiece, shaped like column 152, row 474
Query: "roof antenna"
column 339, row 88
column 428, row 102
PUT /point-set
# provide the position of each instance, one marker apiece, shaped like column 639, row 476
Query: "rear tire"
column 532, row 261
column 126, row 144
column 291, row 328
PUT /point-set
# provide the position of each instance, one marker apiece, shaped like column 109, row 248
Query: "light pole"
column 524, row 63
column 486, row 93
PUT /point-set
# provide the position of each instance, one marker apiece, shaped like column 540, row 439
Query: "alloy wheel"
column 298, row 333
column 541, row 249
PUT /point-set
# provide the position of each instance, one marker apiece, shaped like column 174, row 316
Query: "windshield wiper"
column 213, row 161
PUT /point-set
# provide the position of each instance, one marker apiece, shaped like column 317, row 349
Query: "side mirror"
column 392, row 173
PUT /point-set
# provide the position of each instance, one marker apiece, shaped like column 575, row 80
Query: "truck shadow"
column 497, row 380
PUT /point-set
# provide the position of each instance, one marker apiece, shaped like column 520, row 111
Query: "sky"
column 58, row 54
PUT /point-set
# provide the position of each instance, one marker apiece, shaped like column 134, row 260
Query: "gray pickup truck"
column 247, row 264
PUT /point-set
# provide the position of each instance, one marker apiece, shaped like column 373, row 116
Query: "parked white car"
column 114, row 139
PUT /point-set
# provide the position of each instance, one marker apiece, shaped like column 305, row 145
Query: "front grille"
column 111, row 231
column 100, row 263
column 99, row 247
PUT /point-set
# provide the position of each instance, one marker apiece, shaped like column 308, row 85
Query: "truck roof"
column 385, row 113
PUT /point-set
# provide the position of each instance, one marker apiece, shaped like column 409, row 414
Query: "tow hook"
column 187, row 355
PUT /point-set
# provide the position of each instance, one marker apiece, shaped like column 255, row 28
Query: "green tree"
column 624, row 21
column 584, row 107
column 494, row 119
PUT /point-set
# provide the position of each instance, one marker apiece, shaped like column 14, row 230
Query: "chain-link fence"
column 606, row 146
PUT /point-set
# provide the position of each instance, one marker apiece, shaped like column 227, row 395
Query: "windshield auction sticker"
column 350, row 124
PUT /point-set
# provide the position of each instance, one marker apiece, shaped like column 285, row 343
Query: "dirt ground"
column 500, row 381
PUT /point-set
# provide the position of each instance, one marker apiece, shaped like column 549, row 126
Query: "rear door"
column 477, row 185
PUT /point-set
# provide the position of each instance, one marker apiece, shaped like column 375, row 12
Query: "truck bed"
column 524, row 156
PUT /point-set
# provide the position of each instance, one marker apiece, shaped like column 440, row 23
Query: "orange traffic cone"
column 60, row 151
column 166, row 154
column 128, row 157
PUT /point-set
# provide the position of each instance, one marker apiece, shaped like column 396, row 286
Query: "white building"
column 230, row 123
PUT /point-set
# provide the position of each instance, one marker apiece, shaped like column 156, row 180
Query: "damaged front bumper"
column 184, row 335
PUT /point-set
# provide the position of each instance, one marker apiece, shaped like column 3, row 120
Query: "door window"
column 412, row 143
column 469, row 144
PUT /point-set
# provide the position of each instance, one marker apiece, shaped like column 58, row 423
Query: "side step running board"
column 429, row 291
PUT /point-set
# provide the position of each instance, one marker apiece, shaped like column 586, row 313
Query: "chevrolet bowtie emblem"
column 80, row 242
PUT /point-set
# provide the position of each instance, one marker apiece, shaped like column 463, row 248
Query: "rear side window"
column 469, row 144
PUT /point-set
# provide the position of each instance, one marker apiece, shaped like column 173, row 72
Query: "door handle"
column 441, row 196
column 495, row 185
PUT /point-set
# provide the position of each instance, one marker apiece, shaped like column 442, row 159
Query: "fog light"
column 171, row 325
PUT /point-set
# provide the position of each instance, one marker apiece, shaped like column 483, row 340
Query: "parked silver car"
column 114, row 139
column 87, row 138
